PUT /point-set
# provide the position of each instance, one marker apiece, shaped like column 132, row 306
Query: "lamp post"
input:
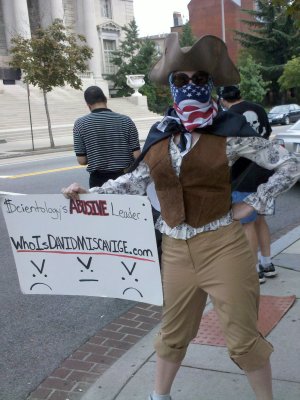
column 223, row 21
column 30, row 118
column 238, row 3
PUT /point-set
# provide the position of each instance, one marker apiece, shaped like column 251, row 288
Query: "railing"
column 86, row 75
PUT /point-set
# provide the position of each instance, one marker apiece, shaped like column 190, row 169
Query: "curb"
column 30, row 152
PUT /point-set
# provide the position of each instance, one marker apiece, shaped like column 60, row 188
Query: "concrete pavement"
column 207, row 373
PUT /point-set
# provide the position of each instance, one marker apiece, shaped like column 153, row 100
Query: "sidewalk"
column 207, row 372
column 21, row 148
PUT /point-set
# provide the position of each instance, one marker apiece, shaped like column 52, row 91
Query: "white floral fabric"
column 263, row 152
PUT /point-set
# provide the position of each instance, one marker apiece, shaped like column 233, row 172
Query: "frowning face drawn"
column 87, row 268
column 130, row 273
column 40, row 275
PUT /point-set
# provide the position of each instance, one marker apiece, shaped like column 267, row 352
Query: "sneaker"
column 261, row 277
column 151, row 398
column 269, row 271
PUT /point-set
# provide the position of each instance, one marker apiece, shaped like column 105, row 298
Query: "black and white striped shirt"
column 107, row 139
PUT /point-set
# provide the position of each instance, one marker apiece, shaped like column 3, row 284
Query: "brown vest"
column 202, row 192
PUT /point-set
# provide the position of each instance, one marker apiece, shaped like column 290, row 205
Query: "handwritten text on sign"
column 100, row 245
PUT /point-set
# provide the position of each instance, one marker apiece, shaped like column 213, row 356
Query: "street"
column 39, row 331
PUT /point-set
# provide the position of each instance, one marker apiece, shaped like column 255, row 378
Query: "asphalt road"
column 37, row 331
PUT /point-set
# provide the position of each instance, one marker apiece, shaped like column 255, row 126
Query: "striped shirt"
column 107, row 139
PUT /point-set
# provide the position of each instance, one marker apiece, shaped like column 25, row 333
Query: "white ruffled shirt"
column 263, row 152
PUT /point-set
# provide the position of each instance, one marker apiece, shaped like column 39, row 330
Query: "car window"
column 292, row 107
column 279, row 109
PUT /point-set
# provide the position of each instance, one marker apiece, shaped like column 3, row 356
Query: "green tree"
column 158, row 98
column 292, row 8
column 52, row 57
column 124, row 59
column 272, row 40
column 291, row 74
column 252, row 86
column 187, row 38
column 136, row 56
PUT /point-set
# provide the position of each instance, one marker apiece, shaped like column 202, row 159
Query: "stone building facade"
column 100, row 21
column 206, row 19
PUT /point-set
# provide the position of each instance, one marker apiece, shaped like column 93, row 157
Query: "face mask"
column 194, row 104
column 190, row 90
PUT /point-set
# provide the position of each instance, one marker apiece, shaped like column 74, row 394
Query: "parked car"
column 284, row 114
column 290, row 139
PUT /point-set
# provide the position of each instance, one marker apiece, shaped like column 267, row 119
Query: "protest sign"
column 100, row 245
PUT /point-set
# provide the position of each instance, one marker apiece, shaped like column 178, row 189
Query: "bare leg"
column 263, row 236
column 261, row 382
column 165, row 375
column 250, row 232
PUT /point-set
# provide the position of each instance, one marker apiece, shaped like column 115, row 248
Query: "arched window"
column 106, row 9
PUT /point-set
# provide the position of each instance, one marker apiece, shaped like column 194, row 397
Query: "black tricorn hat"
column 208, row 54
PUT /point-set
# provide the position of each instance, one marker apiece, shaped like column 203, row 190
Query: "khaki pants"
column 219, row 264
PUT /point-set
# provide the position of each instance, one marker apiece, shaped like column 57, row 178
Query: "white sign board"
column 100, row 245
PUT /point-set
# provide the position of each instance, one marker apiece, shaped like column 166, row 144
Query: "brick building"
column 206, row 18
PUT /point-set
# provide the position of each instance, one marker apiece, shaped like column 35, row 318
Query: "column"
column 57, row 9
column 90, row 24
column 45, row 13
column 8, row 17
column 16, row 19
column 22, row 18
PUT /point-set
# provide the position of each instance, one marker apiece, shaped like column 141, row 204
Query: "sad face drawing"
column 39, row 275
column 133, row 280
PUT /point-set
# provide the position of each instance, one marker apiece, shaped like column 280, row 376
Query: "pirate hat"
column 208, row 54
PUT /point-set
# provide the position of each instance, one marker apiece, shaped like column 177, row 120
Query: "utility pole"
column 223, row 21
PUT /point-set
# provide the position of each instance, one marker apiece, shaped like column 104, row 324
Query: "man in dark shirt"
column 247, row 176
column 105, row 141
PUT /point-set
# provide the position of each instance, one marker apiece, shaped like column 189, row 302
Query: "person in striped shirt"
column 105, row 141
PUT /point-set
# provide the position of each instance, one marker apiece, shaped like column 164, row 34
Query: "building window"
column 109, row 46
column 106, row 9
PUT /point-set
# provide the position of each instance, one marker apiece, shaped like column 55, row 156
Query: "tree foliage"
column 53, row 57
column 292, row 7
column 136, row 56
column 291, row 74
column 252, row 86
column 187, row 38
column 273, row 39
column 124, row 59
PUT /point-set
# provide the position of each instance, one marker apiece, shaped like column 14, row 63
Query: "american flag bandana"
column 194, row 105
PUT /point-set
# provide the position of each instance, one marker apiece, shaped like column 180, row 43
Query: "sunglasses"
column 180, row 79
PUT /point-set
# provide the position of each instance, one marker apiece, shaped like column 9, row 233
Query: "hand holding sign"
column 73, row 191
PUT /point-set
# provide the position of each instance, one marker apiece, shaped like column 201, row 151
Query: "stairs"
column 65, row 106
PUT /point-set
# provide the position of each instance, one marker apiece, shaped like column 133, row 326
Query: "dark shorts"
column 98, row 178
